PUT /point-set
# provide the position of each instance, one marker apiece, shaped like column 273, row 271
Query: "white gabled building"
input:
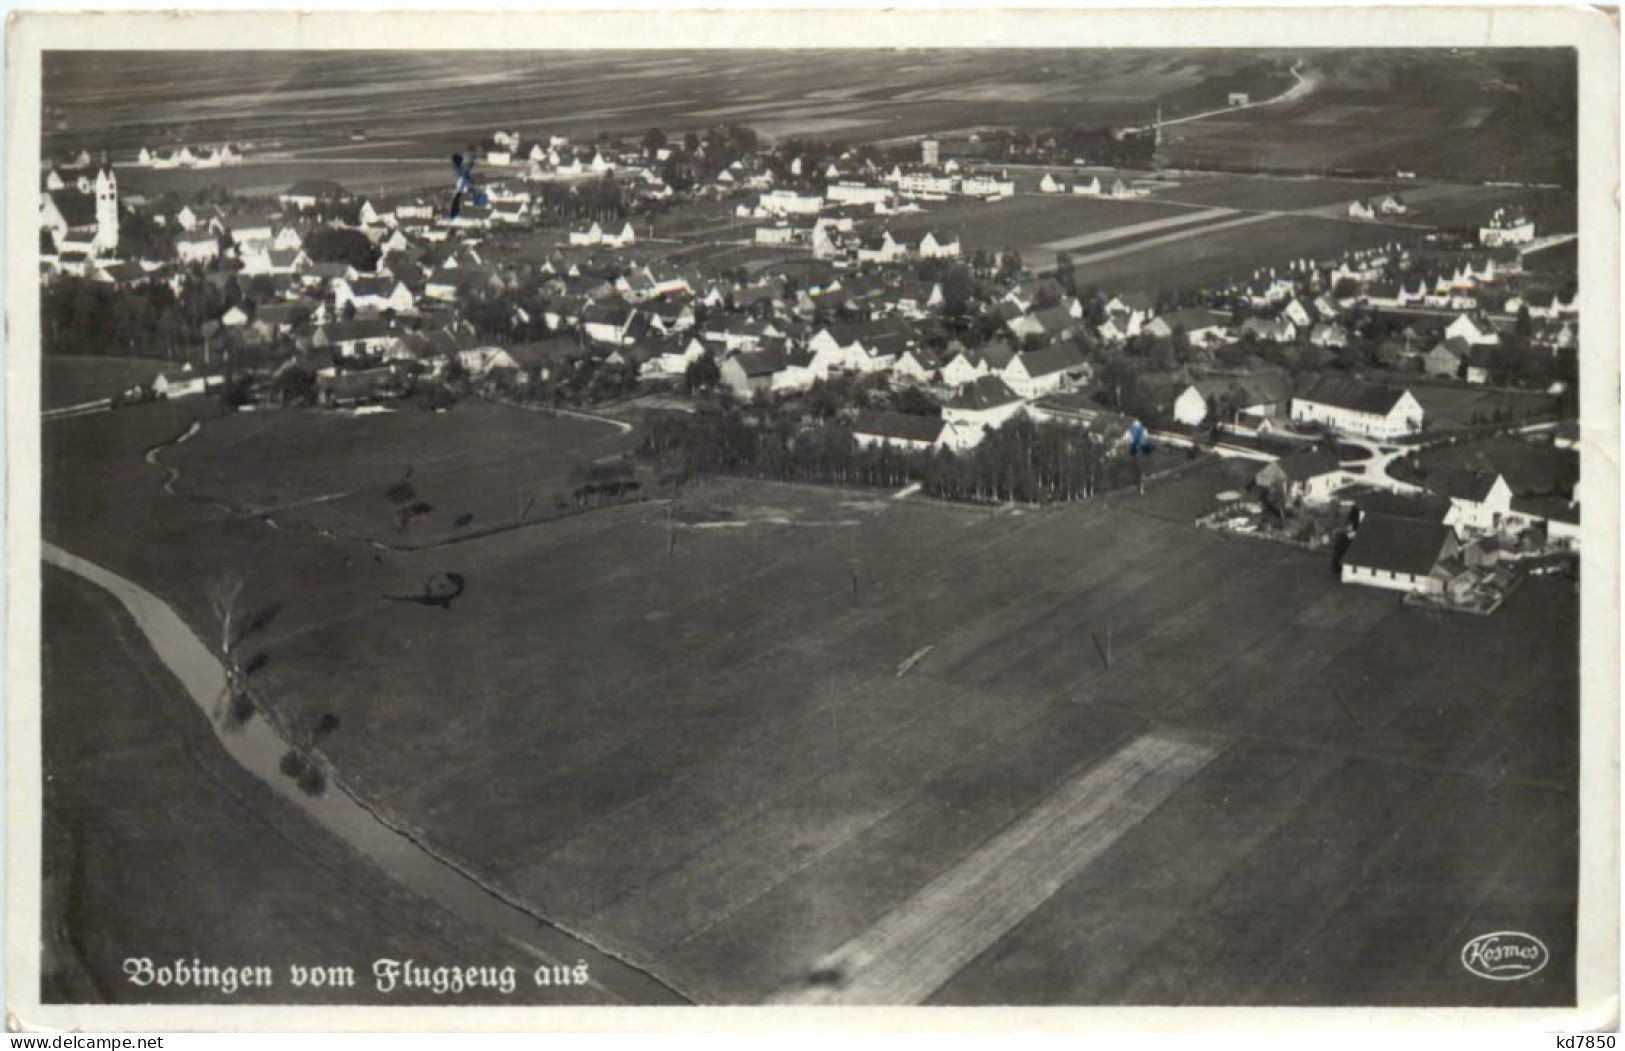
column 1506, row 227
column 1356, row 408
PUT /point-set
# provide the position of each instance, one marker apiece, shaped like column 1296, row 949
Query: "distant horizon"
column 1516, row 106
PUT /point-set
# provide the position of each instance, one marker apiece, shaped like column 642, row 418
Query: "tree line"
column 1022, row 461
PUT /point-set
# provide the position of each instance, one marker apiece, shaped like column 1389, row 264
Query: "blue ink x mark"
column 465, row 184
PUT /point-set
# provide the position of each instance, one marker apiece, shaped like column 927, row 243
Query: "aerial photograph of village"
column 821, row 527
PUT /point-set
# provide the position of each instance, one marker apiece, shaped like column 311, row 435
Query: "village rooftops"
column 360, row 328
column 898, row 426
column 1424, row 507
column 1462, row 483
column 1047, row 361
column 760, row 362
column 1308, row 463
column 78, row 209
column 1397, row 545
column 988, row 392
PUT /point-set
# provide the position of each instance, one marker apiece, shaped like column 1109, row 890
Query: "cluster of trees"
column 80, row 316
column 584, row 380
column 602, row 201
column 596, row 483
column 1022, row 461
column 335, row 245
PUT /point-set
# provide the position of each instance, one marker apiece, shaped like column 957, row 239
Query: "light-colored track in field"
column 1046, row 259
column 921, row 944
column 1116, row 233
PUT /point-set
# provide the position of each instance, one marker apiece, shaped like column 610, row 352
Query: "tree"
column 915, row 402
column 1064, row 273
column 702, row 374
column 296, row 385
column 350, row 247
column 653, row 140
column 225, row 593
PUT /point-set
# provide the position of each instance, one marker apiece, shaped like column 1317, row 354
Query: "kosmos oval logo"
column 1505, row 956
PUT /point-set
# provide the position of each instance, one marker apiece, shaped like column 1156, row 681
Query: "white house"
column 1035, row 373
column 977, row 408
column 1355, row 408
column 964, row 367
column 182, row 383
column 372, row 295
column 198, row 247
column 1506, row 227
column 986, row 186
column 1397, row 553
column 899, row 430
column 1475, row 331
column 1480, row 501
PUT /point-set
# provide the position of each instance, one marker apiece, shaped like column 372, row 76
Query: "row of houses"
column 982, row 406
column 1090, row 187
column 216, row 156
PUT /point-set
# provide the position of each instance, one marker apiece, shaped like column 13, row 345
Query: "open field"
column 709, row 760
column 1023, row 223
column 1459, row 110
column 267, row 179
column 1231, row 253
column 1274, row 193
column 477, row 467
column 1554, row 211
column 76, row 379
column 1478, row 122
column 164, row 845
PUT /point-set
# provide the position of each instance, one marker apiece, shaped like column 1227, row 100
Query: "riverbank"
column 165, row 848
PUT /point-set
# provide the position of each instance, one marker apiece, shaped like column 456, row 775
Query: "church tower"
column 106, row 242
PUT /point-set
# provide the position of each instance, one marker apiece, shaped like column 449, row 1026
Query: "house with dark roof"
column 1398, row 553
column 1202, row 327
column 1260, row 394
column 1446, row 357
column 977, row 408
column 772, row 368
column 900, row 430
column 372, row 337
column 1307, row 476
column 1034, row 373
column 1357, row 408
column 1479, row 500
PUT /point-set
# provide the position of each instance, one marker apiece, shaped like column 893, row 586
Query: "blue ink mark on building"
column 465, row 185
column 1139, row 439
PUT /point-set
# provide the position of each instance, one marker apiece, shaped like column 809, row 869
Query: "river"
column 258, row 748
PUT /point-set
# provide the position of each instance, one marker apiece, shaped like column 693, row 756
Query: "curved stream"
column 257, row 746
